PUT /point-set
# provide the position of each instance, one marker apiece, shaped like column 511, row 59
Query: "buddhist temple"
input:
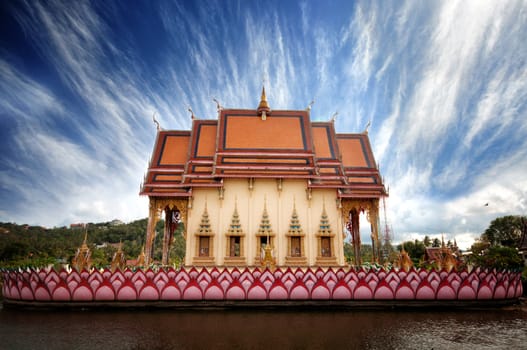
column 262, row 187
column 265, row 200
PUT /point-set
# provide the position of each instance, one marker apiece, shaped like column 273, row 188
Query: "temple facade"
column 262, row 187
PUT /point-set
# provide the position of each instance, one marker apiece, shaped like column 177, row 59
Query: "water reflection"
column 207, row 329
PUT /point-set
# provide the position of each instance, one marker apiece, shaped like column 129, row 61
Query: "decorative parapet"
column 42, row 286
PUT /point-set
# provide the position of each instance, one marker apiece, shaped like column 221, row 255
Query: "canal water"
column 260, row 329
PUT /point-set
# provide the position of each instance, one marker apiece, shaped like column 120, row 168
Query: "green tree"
column 427, row 241
column 505, row 231
column 499, row 257
column 479, row 247
column 366, row 252
column 348, row 252
column 415, row 249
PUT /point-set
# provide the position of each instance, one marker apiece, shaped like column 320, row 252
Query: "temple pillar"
column 351, row 209
column 354, row 227
column 373, row 218
column 175, row 212
column 153, row 218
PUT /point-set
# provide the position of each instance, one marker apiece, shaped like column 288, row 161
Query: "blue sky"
column 444, row 84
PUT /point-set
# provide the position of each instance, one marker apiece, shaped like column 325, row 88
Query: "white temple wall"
column 250, row 204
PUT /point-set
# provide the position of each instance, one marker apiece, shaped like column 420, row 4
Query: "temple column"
column 170, row 206
column 373, row 218
column 153, row 217
column 167, row 237
column 355, row 234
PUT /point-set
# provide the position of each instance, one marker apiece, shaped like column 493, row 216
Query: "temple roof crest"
column 263, row 108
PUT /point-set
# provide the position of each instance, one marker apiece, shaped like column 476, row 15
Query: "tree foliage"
column 23, row 245
column 497, row 246
column 505, row 231
column 498, row 257
column 415, row 249
column 366, row 252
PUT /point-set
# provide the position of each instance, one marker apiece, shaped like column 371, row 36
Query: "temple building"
column 262, row 187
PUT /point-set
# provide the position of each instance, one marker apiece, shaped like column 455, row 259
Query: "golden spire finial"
column 84, row 243
column 263, row 108
column 82, row 258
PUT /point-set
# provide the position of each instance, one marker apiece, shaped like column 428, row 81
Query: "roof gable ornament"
column 219, row 107
column 367, row 127
column 263, row 108
column 192, row 116
column 155, row 121
column 334, row 116
column 310, row 105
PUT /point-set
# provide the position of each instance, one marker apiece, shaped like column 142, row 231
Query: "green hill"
column 24, row 245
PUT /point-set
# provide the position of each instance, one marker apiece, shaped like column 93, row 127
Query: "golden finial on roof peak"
column 263, row 108
column 84, row 243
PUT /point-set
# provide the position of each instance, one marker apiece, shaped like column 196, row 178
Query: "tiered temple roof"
column 262, row 143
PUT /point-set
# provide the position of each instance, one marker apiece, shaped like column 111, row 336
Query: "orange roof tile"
column 354, row 151
column 241, row 144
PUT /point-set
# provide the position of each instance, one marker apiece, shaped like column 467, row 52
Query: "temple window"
column 263, row 242
column 296, row 250
column 234, row 245
column 325, row 243
column 204, row 245
column 326, row 240
column 264, row 236
column 235, row 236
column 295, row 241
column 204, row 241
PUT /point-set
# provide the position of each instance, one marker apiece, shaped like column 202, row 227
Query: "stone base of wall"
column 253, row 286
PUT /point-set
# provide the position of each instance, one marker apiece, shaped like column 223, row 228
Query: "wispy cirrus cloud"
column 444, row 84
column 451, row 123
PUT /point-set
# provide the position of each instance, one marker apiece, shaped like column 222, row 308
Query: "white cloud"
column 443, row 83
